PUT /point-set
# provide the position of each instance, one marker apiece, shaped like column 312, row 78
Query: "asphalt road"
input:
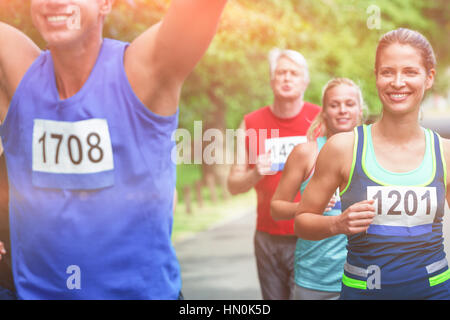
column 440, row 124
column 219, row 264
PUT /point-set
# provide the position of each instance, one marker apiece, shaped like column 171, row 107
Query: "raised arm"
column 17, row 53
column 295, row 171
column 332, row 171
column 159, row 60
column 242, row 177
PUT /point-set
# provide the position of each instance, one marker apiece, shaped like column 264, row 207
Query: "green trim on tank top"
column 423, row 175
column 355, row 149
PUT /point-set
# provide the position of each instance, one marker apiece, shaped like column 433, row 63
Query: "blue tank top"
column 404, row 243
column 91, row 187
column 319, row 265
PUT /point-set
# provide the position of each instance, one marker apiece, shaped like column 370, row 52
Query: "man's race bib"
column 72, row 150
column 402, row 210
column 280, row 148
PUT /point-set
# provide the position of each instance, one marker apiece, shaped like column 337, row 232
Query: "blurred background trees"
column 337, row 38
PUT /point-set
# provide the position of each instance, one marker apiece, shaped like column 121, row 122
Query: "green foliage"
column 187, row 175
column 233, row 79
column 333, row 35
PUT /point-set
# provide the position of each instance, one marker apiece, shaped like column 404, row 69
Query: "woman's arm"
column 332, row 171
column 298, row 165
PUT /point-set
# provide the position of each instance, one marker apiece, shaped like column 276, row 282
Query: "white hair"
column 275, row 54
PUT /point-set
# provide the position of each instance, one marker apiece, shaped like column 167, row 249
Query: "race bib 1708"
column 80, row 147
column 280, row 148
column 403, row 206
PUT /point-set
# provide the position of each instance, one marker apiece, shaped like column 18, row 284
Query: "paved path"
column 219, row 264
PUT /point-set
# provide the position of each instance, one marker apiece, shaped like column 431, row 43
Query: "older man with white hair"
column 278, row 127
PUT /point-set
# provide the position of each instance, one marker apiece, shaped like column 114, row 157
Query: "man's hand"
column 159, row 60
column 264, row 165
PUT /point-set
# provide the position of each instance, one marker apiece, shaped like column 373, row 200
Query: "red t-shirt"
column 290, row 132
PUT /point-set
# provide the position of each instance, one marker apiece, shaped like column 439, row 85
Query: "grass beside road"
column 209, row 214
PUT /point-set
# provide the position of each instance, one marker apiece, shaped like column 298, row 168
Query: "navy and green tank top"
column 319, row 265
column 91, row 187
column 402, row 254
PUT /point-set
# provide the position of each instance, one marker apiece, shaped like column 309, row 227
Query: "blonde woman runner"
column 319, row 264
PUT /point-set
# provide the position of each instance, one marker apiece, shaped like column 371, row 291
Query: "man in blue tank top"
column 87, row 139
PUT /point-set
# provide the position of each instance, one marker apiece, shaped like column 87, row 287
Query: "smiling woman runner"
column 318, row 264
column 393, row 182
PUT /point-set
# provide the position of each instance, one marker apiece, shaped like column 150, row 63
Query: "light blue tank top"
column 319, row 265
column 91, row 187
